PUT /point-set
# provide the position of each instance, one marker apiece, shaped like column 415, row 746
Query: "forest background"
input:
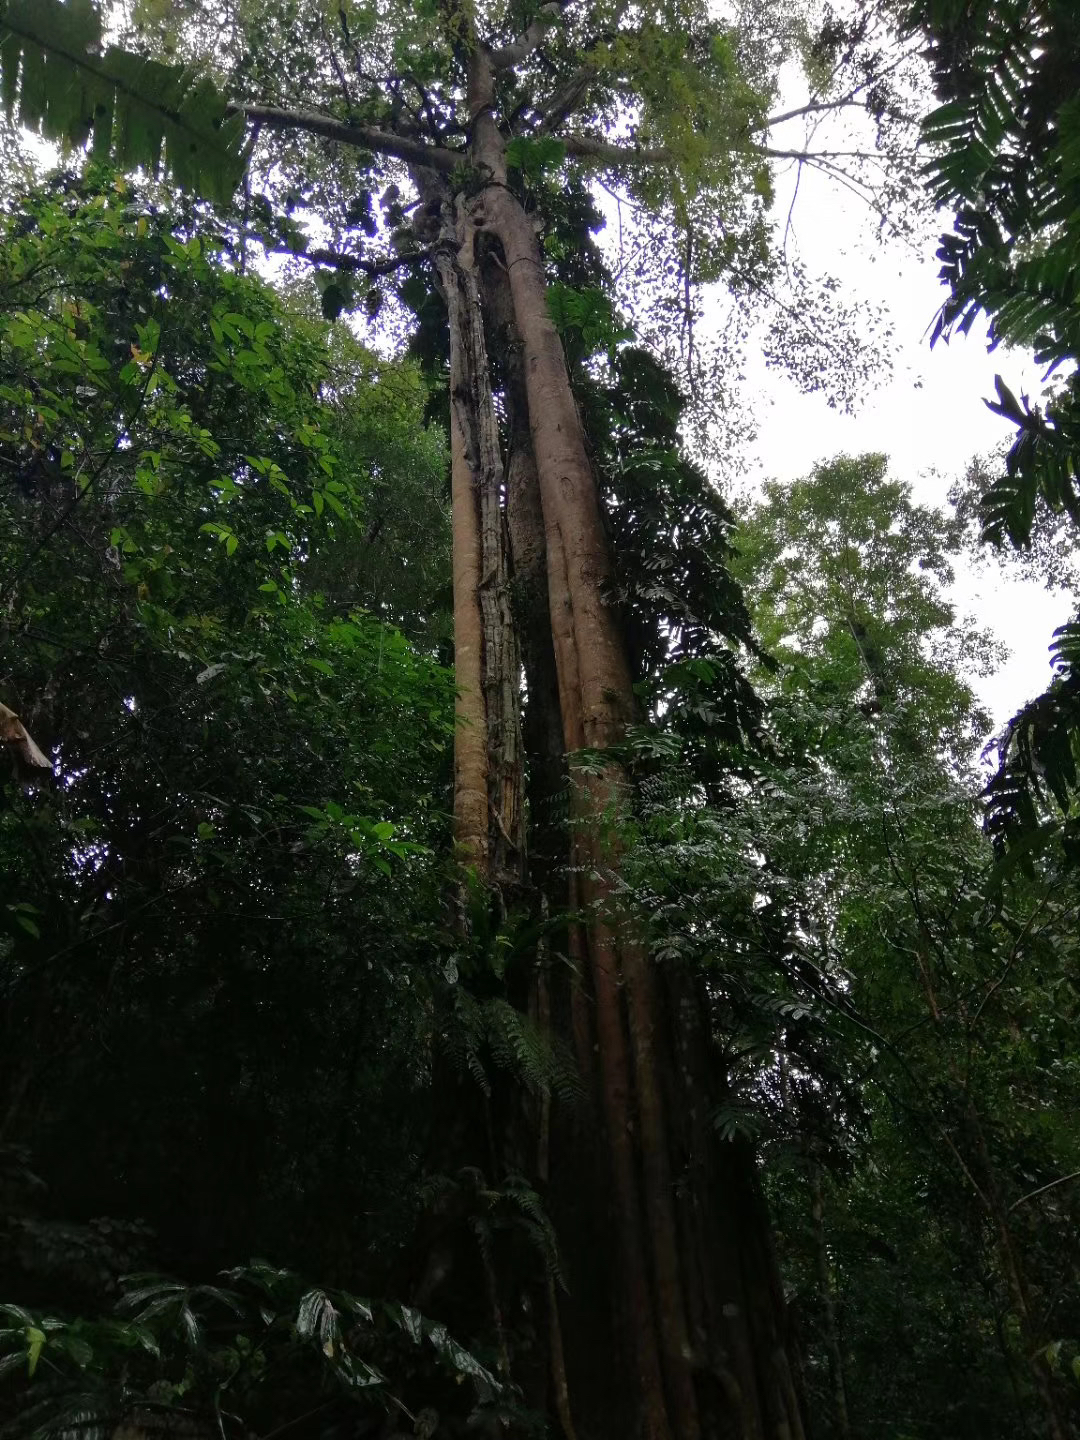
column 494, row 941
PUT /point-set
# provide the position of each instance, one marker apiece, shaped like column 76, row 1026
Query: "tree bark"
column 833, row 1347
column 597, row 705
column 701, row 1342
column 489, row 801
column 470, row 733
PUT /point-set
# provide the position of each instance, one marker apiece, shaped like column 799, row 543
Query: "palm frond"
column 59, row 79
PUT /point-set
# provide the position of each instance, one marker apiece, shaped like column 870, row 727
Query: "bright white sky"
column 929, row 417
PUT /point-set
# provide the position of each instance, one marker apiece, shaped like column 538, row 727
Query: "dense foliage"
column 1006, row 141
column 938, row 998
column 718, row 1083
column 243, row 833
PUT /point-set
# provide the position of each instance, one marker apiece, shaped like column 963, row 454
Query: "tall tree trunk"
column 488, row 772
column 833, row 1348
column 567, row 1170
column 470, row 733
column 542, row 725
column 597, row 704
column 471, row 1126
column 638, row 1078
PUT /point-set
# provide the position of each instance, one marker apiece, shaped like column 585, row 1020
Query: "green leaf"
column 317, row 1319
column 535, row 157
column 35, row 1342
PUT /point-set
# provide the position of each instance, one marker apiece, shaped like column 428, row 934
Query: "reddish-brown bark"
column 597, row 704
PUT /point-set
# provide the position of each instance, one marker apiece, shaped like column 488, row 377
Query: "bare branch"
column 363, row 137
column 564, row 101
column 509, row 55
column 1042, row 1188
column 849, row 101
column 860, row 188
column 815, row 107
column 809, row 155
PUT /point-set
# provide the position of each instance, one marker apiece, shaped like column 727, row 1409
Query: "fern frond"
column 492, row 1029
column 539, row 1228
column 1005, row 158
column 519, row 1045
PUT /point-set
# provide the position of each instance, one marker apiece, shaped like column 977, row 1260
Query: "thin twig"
column 1043, row 1188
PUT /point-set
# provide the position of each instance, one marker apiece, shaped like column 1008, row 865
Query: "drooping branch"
column 363, row 137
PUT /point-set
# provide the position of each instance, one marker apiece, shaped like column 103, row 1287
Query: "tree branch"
column 848, row 101
column 584, row 147
column 355, row 264
column 1042, row 1188
column 509, row 55
column 563, row 103
column 363, row 137
column 810, row 155
column 815, row 107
